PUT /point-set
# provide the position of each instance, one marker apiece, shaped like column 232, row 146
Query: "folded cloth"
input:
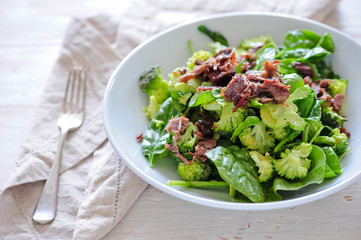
column 96, row 189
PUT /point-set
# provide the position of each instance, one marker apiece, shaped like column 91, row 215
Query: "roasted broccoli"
column 175, row 85
column 337, row 86
column 229, row 120
column 257, row 138
column 152, row 108
column 331, row 118
column 337, row 140
column 294, row 163
column 187, row 142
column 181, row 92
column 200, row 56
column 264, row 164
column 341, row 141
column 196, row 171
column 280, row 133
column 152, row 83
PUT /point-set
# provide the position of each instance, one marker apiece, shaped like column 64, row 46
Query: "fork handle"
column 45, row 209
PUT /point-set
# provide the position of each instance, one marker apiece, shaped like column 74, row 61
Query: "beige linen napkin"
column 96, row 189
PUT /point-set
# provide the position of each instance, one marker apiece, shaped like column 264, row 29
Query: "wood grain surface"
column 31, row 32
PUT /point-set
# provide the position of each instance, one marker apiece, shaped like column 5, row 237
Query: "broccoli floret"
column 200, row 56
column 187, row 142
column 196, row 171
column 152, row 83
column 264, row 164
column 337, row 86
column 341, row 141
column 152, row 109
column 337, row 140
column 280, row 133
column 294, row 163
column 158, row 123
column 189, row 86
column 229, row 120
column 257, row 138
column 331, row 118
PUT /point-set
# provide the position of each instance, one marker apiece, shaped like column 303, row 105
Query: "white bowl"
column 123, row 101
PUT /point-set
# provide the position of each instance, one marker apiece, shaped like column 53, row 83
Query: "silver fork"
column 70, row 119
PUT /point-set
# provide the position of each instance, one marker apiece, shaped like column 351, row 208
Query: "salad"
column 257, row 119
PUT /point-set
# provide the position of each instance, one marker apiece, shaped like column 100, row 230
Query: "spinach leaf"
column 288, row 138
column 294, row 81
column 267, row 52
column 294, row 53
column 201, row 97
column 237, row 173
column 215, row 36
column 307, row 46
column 156, row 136
column 240, row 65
column 248, row 122
column 315, row 112
column 326, row 71
column 286, row 66
column 326, row 43
column 315, row 54
column 315, row 175
column 333, row 167
column 301, row 38
column 243, row 155
column 305, row 105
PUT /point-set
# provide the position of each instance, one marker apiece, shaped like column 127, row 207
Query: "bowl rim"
column 221, row 204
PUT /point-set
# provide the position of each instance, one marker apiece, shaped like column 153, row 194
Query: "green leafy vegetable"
column 333, row 167
column 233, row 172
column 294, row 81
column 248, row 122
column 201, row 97
column 215, row 36
column 267, row 52
column 249, row 43
column 155, row 137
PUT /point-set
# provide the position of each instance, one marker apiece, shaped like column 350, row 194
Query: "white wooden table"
column 31, row 32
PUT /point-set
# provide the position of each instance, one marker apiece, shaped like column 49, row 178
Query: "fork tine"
column 65, row 98
column 75, row 91
column 85, row 77
column 81, row 90
column 73, row 88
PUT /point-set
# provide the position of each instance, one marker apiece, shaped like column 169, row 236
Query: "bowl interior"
column 123, row 101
